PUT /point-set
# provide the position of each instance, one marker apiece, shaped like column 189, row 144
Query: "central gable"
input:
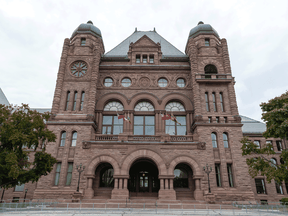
column 145, row 41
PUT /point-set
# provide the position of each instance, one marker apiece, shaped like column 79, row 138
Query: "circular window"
column 181, row 83
column 162, row 82
column 126, row 82
column 108, row 82
column 79, row 68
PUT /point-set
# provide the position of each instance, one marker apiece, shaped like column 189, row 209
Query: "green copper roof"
column 87, row 28
column 202, row 28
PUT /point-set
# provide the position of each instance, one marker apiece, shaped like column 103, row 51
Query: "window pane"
column 20, row 187
column 138, row 130
column 149, row 130
column 107, row 120
column 162, row 82
column 138, row 120
column 170, row 129
column 181, row 120
column 181, row 130
column 149, row 120
column 117, row 129
column 108, row 130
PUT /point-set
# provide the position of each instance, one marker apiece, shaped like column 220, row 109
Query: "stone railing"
column 214, row 76
column 106, row 137
column 181, row 138
column 144, row 138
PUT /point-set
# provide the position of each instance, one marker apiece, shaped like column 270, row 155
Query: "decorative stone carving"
column 71, row 48
column 198, row 118
column 237, row 119
column 201, row 145
column 86, row 145
column 90, row 117
column 144, row 82
column 167, row 165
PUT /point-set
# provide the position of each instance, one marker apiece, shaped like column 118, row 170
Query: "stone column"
column 198, row 193
column 120, row 183
column 166, row 184
column 116, row 183
column 161, row 184
column 171, row 184
column 89, row 192
column 125, row 183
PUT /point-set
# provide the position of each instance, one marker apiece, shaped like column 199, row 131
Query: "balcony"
column 214, row 78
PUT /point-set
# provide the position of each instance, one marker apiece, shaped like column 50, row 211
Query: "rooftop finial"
column 136, row 29
column 154, row 29
column 200, row 22
column 90, row 22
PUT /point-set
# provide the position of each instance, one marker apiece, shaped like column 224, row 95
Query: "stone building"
column 108, row 112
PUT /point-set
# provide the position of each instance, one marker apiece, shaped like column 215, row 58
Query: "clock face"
column 79, row 69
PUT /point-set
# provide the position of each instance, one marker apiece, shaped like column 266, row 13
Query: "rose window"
column 79, row 69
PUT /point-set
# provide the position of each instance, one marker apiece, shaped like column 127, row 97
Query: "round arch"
column 184, row 159
column 104, row 99
column 93, row 164
column 143, row 153
column 135, row 99
column 183, row 99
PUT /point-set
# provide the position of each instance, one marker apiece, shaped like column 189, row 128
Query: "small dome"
column 202, row 28
column 87, row 28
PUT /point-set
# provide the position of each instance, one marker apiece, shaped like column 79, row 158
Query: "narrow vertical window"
column 144, row 58
column 279, row 188
column 57, row 174
column 74, row 138
column 225, row 140
column 67, row 100
column 279, row 146
column 218, row 175
column 214, row 140
column 225, row 120
column 82, row 100
column 151, row 59
column 214, row 101
column 260, row 186
column 63, row 138
column 209, row 119
column 74, row 101
column 270, row 142
column 137, row 58
column 207, row 101
column 217, row 119
column 83, row 41
column 207, row 42
column 221, row 101
column 230, row 175
column 69, row 173
column 257, row 142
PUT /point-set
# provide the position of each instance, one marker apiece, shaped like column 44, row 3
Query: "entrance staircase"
column 184, row 194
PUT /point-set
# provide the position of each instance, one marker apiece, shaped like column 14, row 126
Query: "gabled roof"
column 3, row 99
column 252, row 126
column 168, row 50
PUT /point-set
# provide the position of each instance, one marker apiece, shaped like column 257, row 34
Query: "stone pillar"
column 125, row 183
column 120, row 183
column 161, row 184
column 89, row 192
column 166, row 193
column 166, row 184
column 120, row 190
column 198, row 193
column 171, row 184
column 116, row 183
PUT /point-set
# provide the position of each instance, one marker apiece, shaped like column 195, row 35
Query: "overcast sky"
column 32, row 35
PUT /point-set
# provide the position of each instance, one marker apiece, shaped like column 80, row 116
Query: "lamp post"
column 208, row 171
column 2, row 194
column 80, row 169
column 25, row 194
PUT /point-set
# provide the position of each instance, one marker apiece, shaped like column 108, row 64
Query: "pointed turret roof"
column 168, row 50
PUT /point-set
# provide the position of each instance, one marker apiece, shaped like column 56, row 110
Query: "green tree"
column 275, row 115
column 23, row 131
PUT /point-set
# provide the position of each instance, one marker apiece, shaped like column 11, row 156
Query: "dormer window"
column 207, row 42
column 83, row 41
column 151, row 59
column 144, row 58
column 137, row 58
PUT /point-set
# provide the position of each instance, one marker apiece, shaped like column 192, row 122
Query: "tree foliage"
column 275, row 115
column 23, row 131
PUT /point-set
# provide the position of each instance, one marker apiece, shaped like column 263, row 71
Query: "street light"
column 80, row 169
column 25, row 194
column 208, row 171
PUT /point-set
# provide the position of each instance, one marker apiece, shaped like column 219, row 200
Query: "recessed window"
column 67, row 100
column 82, row 100
column 78, row 68
column 144, row 125
column 113, row 106
column 221, row 101
column 218, row 175
column 217, row 119
column 144, row 58
column 279, row 145
column 230, row 175
column 260, row 186
column 144, row 106
column 210, row 69
column 279, row 188
column 126, row 82
column 74, row 101
column 74, row 138
column 225, row 120
column 57, row 174
column 181, row 83
column 69, row 173
column 270, row 142
column 108, row 82
column 207, row 101
column 214, row 101
column 214, row 140
column 112, row 125
column 137, row 58
column 257, row 142
column 174, row 106
column 207, row 42
column 106, row 174
column 83, row 41
column 173, row 128
column 151, row 59
column 225, row 140
column 63, row 138
column 209, row 119
column 162, row 82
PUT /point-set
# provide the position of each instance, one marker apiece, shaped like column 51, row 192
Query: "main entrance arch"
column 143, row 179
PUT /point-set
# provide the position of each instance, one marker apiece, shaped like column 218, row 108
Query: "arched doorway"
column 143, row 181
column 104, row 181
column 183, row 182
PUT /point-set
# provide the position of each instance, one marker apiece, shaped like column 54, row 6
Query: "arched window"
column 207, row 101
column 67, row 100
column 210, row 69
column 74, row 101
column 144, row 106
column 74, row 138
column 273, row 162
column 106, row 176
column 221, row 101
column 174, row 106
column 63, row 138
column 113, row 106
column 225, row 140
column 214, row 140
column 82, row 100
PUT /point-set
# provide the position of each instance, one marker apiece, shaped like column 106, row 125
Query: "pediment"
column 145, row 41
